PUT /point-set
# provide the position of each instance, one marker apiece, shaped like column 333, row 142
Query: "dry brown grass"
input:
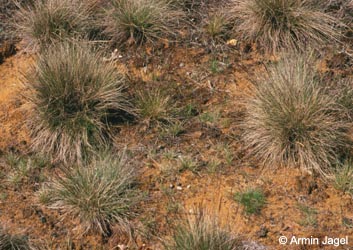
column 72, row 93
column 217, row 25
column 46, row 21
column 291, row 121
column 99, row 194
column 138, row 21
column 284, row 24
column 6, row 8
column 202, row 231
column 13, row 242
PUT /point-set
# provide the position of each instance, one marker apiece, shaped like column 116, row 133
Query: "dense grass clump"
column 217, row 25
column 46, row 21
column 13, row 242
column 344, row 177
column 154, row 105
column 7, row 8
column 72, row 93
column 138, row 21
column 278, row 24
column 292, row 121
column 203, row 232
column 343, row 10
column 253, row 200
column 343, row 91
column 340, row 8
column 99, row 194
column 3, row 11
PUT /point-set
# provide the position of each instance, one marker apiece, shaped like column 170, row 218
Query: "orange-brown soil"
column 187, row 72
column 12, row 132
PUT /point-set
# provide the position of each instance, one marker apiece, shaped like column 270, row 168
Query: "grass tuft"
column 72, row 94
column 13, row 242
column 341, row 9
column 291, row 121
column 310, row 216
column 7, row 8
column 344, row 177
column 284, row 24
column 217, row 25
column 99, row 194
column 154, row 105
column 253, row 200
column 44, row 22
column 139, row 21
column 24, row 169
column 203, row 232
column 343, row 91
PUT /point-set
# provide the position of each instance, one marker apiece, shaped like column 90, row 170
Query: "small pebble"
column 188, row 186
column 179, row 188
column 122, row 247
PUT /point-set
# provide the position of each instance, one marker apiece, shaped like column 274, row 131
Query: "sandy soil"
column 187, row 70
